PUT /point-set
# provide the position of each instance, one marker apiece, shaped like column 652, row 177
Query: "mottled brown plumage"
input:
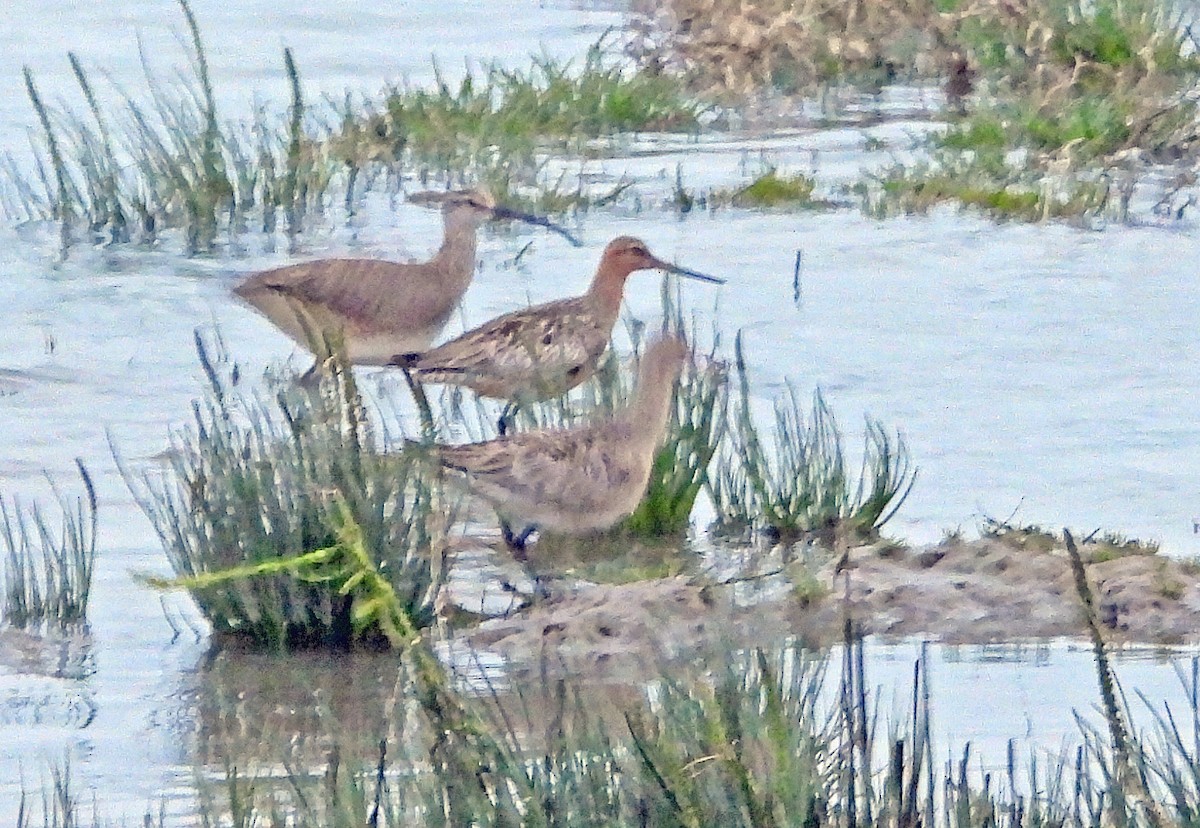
column 581, row 479
column 378, row 307
column 546, row 350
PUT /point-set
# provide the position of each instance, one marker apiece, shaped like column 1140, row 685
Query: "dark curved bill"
column 502, row 212
column 683, row 271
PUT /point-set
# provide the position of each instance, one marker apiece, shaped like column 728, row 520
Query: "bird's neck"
column 607, row 291
column 457, row 253
column 650, row 409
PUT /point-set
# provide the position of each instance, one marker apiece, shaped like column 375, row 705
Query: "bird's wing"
column 570, row 466
column 357, row 290
column 544, row 342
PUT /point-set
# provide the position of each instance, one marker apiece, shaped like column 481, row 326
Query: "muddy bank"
column 958, row 591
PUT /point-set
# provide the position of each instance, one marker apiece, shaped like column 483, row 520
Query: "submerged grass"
column 287, row 520
column 984, row 180
column 48, row 573
column 799, row 485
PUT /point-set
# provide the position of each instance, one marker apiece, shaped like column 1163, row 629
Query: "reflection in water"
column 299, row 715
column 44, row 679
column 270, row 706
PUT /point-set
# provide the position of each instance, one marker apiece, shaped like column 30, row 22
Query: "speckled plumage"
column 580, row 479
column 546, row 350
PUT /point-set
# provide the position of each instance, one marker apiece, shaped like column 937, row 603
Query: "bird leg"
column 312, row 377
column 422, row 401
column 514, row 542
column 507, row 418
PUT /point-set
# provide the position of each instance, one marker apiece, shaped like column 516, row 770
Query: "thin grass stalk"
column 63, row 209
column 294, row 198
column 211, row 136
column 1126, row 777
column 113, row 212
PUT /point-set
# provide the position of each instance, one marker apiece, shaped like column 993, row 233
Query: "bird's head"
column 626, row 254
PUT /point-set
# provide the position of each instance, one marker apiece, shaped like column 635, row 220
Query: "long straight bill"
column 501, row 212
column 683, row 271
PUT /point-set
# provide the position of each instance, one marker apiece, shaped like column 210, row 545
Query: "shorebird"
column 380, row 308
column 580, row 479
column 544, row 351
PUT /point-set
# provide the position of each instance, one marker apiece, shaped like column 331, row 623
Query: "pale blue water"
column 1043, row 367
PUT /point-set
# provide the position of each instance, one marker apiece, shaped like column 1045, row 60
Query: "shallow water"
column 1039, row 368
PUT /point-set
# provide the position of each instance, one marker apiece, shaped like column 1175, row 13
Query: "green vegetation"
column 189, row 171
column 1109, row 545
column 1071, row 97
column 1049, row 101
column 1019, row 536
column 513, row 113
column 799, row 486
column 1097, row 547
column 985, row 181
column 748, row 739
column 288, row 520
column 771, row 189
column 48, row 574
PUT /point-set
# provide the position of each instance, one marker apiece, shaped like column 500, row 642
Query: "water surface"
column 1041, row 369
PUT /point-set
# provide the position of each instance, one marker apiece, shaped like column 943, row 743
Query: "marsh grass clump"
column 1060, row 97
column 510, row 113
column 1019, row 536
column 774, row 189
column 799, row 485
column 497, row 125
column 984, row 180
column 289, row 522
column 48, row 571
column 1096, row 547
column 1074, row 100
column 170, row 162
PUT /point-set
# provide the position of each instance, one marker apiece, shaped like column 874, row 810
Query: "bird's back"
column 568, row 480
column 380, row 306
column 535, row 353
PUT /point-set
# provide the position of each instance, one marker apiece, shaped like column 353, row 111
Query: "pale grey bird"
column 380, row 308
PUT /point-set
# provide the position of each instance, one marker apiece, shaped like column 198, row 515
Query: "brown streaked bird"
column 580, row 479
column 544, row 351
column 379, row 307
